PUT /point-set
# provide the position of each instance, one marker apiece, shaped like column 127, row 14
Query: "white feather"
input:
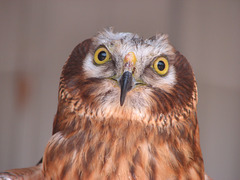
column 119, row 45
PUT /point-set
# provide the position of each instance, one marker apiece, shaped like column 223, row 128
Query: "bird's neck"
column 113, row 146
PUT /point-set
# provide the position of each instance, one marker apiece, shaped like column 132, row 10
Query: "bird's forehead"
column 123, row 43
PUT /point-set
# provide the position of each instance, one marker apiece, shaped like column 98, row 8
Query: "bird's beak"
column 126, row 79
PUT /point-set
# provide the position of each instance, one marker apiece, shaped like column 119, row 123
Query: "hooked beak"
column 126, row 79
column 126, row 85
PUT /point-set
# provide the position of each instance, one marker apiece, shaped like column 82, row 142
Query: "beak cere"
column 126, row 79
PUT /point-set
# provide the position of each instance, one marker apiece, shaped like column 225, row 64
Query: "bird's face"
column 123, row 73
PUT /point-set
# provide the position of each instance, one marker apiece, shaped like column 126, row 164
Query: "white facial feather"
column 119, row 45
column 163, row 82
column 92, row 70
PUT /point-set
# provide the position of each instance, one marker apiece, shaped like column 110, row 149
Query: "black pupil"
column 161, row 65
column 102, row 55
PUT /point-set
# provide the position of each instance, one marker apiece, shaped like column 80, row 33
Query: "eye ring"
column 161, row 65
column 101, row 55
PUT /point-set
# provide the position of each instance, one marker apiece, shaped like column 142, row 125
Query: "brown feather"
column 89, row 145
column 93, row 138
column 24, row 173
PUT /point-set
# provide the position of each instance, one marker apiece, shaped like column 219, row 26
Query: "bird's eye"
column 161, row 66
column 101, row 55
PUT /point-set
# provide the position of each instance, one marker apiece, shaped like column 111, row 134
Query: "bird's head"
column 123, row 74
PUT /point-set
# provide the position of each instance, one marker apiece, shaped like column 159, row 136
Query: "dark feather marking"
column 132, row 171
column 88, row 92
column 71, row 126
column 75, row 104
column 182, row 131
column 70, row 145
column 161, row 117
column 90, row 154
column 179, row 97
column 185, row 110
column 81, row 138
column 120, row 151
column 152, row 174
column 176, row 117
column 109, row 178
column 87, row 124
column 184, row 115
column 106, row 93
column 160, row 100
column 178, row 154
column 65, row 169
column 10, row 174
column 170, row 119
column 170, row 99
column 136, row 157
column 80, row 174
column 85, row 166
column 198, row 172
column 106, row 154
column 165, row 100
column 195, row 117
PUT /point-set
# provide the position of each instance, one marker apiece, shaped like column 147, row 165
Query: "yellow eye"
column 101, row 55
column 161, row 66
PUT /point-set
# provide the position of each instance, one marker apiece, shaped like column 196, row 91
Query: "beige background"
column 36, row 38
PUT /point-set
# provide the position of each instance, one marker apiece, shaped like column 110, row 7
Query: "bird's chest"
column 107, row 154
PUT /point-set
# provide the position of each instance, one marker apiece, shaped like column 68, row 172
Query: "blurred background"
column 36, row 38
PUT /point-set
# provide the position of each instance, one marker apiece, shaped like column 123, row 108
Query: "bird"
column 127, row 109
